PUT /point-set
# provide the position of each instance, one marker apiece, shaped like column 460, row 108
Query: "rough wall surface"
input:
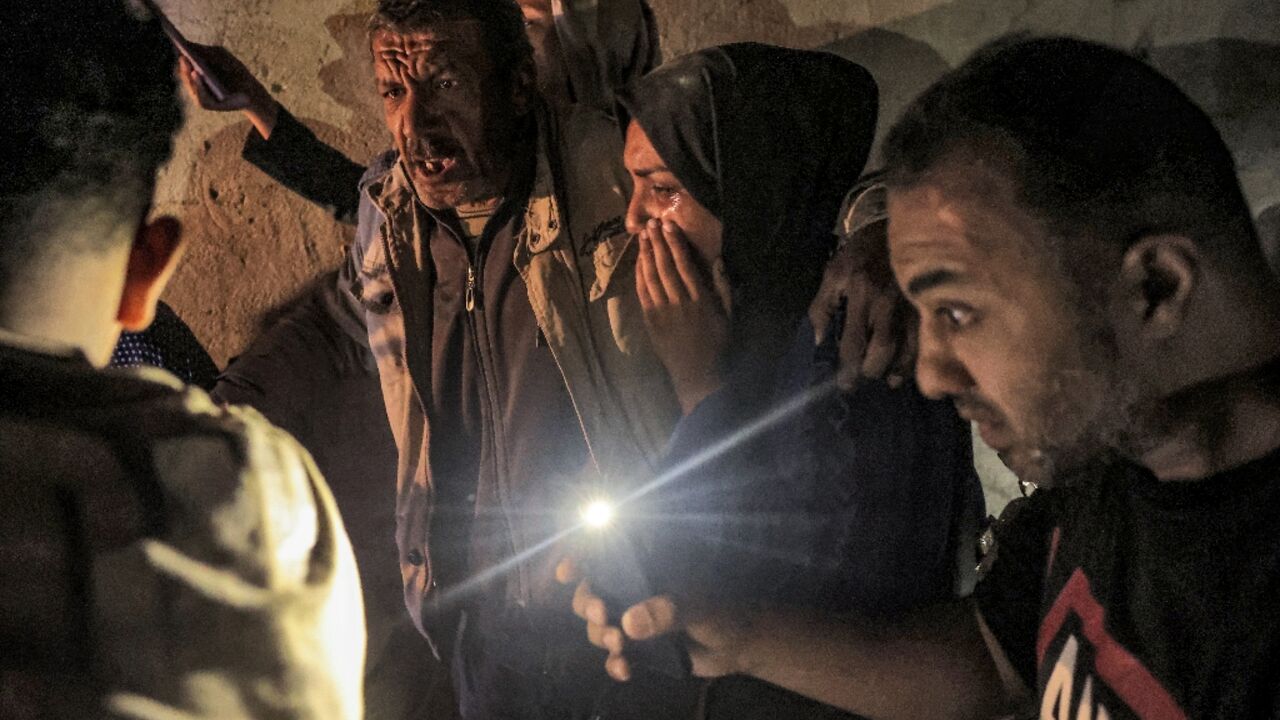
column 253, row 245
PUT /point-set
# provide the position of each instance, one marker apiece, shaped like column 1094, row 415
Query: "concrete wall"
column 253, row 245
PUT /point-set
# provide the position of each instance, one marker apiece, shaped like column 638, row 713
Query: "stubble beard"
column 1087, row 408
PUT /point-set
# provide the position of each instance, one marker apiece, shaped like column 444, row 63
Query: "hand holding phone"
column 185, row 48
column 613, row 568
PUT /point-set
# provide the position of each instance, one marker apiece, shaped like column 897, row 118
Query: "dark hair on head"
column 1103, row 146
column 87, row 110
column 502, row 23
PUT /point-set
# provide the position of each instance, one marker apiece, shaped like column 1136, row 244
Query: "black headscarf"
column 769, row 140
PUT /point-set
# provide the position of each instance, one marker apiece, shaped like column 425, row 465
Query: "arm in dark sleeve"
column 896, row 485
column 298, row 160
column 737, row 510
column 1009, row 594
column 319, row 339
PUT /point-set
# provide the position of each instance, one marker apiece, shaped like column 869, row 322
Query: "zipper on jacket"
column 477, row 324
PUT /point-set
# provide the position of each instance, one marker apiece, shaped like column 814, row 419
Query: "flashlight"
column 617, row 576
column 598, row 514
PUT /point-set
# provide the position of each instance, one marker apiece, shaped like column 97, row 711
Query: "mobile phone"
column 616, row 575
column 183, row 46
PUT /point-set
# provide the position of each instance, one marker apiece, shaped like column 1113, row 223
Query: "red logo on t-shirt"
column 1070, row 688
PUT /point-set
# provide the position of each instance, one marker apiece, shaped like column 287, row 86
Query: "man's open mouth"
column 435, row 166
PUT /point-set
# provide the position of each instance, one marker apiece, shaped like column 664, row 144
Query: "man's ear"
column 155, row 253
column 1159, row 274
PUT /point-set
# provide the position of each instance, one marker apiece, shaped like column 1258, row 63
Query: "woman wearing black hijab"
column 741, row 157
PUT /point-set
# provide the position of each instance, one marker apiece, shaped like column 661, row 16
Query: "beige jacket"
column 178, row 560
column 578, row 266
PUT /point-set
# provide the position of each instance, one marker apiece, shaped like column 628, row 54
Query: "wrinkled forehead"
column 453, row 43
column 965, row 215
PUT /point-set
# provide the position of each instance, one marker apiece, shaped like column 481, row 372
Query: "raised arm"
column 282, row 147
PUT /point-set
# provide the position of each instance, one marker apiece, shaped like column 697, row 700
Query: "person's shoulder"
column 378, row 168
column 247, row 489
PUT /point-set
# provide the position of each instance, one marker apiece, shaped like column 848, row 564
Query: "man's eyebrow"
column 930, row 280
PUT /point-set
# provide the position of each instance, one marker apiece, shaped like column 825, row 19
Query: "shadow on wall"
column 687, row 26
column 251, row 244
column 903, row 68
column 1238, row 83
column 1235, row 81
column 349, row 81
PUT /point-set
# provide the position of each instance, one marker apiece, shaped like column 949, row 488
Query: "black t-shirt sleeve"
column 298, row 160
column 1010, row 594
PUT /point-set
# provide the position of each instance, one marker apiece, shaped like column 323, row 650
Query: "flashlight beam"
column 748, row 432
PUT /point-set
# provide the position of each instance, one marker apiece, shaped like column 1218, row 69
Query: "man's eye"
column 446, row 84
column 665, row 190
column 392, row 93
column 957, row 316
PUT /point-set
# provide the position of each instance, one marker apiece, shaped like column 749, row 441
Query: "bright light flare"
column 598, row 514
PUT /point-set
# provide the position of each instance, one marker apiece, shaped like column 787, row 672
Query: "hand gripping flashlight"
column 616, row 575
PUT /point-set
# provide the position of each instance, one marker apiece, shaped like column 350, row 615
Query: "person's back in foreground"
column 1093, row 295
column 162, row 557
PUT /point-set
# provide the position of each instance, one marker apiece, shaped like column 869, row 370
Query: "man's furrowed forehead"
column 460, row 39
column 928, row 236
column 962, row 223
column 965, row 200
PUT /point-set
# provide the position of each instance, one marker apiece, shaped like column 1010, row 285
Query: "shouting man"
column 494, row 278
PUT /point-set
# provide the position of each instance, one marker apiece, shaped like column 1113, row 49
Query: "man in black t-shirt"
column 1093, row 296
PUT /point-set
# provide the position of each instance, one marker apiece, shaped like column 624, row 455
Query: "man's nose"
column 421, row 115
column 939, row 373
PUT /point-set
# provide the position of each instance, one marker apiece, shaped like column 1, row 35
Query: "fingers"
column 642, row 280
column 567, row 572
column 191, row 81
column 591, row 608
column 665, row 266
column 588, row 606
column 853, row 338
column 599, row 633
column 831, row 292
column 650, row 618
column 646, row 268
column 882, row 341
column 195, row 85
column 904, row 366
column 607, row 637
column 682, row 259
column 618, row 668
